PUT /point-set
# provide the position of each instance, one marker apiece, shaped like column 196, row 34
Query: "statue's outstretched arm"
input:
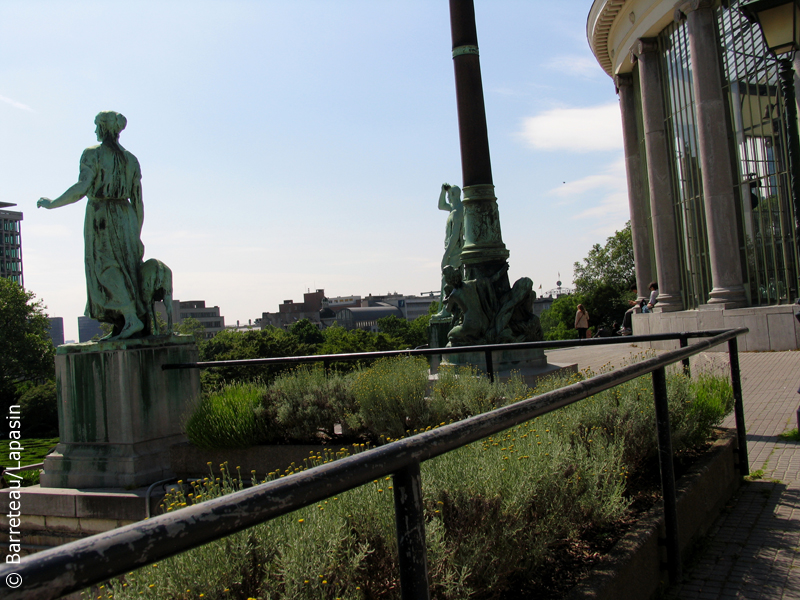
column 73, row 194
column 443, row 203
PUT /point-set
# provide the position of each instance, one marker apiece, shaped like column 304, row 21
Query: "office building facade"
column 11, row 244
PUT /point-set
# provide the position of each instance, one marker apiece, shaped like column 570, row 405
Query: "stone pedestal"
column 118, row 412
column 531, row 364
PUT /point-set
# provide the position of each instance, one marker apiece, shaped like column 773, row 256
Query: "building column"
column 659, row 174
column 715, row 156
column 637, row 198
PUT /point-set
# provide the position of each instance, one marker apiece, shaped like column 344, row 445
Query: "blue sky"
column 288, row 146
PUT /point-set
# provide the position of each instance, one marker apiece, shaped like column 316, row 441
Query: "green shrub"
column 226, row 418
column 462, row 391
column 391, row 396
column 493, row 509
column 39, row 411
column 304, row 405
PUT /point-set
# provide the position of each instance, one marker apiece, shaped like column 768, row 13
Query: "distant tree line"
column 304, row 338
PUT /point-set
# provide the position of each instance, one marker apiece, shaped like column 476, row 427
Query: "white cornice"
column 598, row 28
column 613, row 26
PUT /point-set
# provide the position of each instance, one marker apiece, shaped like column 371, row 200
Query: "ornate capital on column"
column 644, row 46
column 623, row 80
column 684, row 7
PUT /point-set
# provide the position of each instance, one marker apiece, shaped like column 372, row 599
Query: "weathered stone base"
column 531, row 364
column 51, row 517
column 118, row 412
column 772, row 328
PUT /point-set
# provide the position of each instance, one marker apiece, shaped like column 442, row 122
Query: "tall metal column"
column 484, row 252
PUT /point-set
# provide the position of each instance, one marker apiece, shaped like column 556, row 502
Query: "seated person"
column 637, row 305
column 653, row 295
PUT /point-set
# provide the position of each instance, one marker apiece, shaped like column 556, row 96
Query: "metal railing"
column 77, row 565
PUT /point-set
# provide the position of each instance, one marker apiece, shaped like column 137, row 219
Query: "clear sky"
column 295, row 145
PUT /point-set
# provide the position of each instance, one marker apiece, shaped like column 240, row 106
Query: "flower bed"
column 495, row 509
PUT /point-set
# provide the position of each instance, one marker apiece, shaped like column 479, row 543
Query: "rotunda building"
column 706, row 138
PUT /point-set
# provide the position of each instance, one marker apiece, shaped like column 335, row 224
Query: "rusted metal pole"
column 738, row 406
column 410, row 521
column 476, row 165
column 667, row 475
column 484, row 253
column 684, row 341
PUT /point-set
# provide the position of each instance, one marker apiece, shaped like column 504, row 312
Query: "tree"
column 558, row 321
column 26, row 352
column 39, row 411
column 306, row 332
column 257, row 343
column 409, row 334
column 611, row 264
column 188, row 326
column 603, row 280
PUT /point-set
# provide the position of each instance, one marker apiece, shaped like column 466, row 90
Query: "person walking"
column 581, row 322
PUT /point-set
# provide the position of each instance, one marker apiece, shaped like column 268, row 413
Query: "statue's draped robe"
column 111, row 232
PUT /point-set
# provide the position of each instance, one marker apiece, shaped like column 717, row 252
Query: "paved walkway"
column 753, row 550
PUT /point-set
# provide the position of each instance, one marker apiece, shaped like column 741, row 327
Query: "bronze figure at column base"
column 486, row 310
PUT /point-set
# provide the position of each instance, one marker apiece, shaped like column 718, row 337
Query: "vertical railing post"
column 738, row 406
column 667, row 474
column 410, row 521
column 684, row 341
column 489, row 365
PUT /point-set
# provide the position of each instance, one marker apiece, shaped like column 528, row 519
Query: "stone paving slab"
column 753, row 550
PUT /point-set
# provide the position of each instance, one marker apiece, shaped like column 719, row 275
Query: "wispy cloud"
column 596, row 128
column 602, row 196
column 15, row 104
column 579, row 65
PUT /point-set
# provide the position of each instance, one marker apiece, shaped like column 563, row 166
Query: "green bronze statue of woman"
column 110, row 177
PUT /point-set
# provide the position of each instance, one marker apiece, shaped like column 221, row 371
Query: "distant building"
column 289, row 312
column 346, row 310
column 10, row 244
column 344, row 302
column 413, row 307
column 88, row 328
column 366, row 317
column 542, row 304
column 196, row 309
column 57, row 330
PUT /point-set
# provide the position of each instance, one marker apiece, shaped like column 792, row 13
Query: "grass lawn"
column 34, row 451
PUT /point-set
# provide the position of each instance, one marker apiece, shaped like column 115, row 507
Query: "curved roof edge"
column 598, row 27
column 613, row 26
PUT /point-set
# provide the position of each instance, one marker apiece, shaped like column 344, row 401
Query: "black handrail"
column 486, row 349
column 74, row 566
